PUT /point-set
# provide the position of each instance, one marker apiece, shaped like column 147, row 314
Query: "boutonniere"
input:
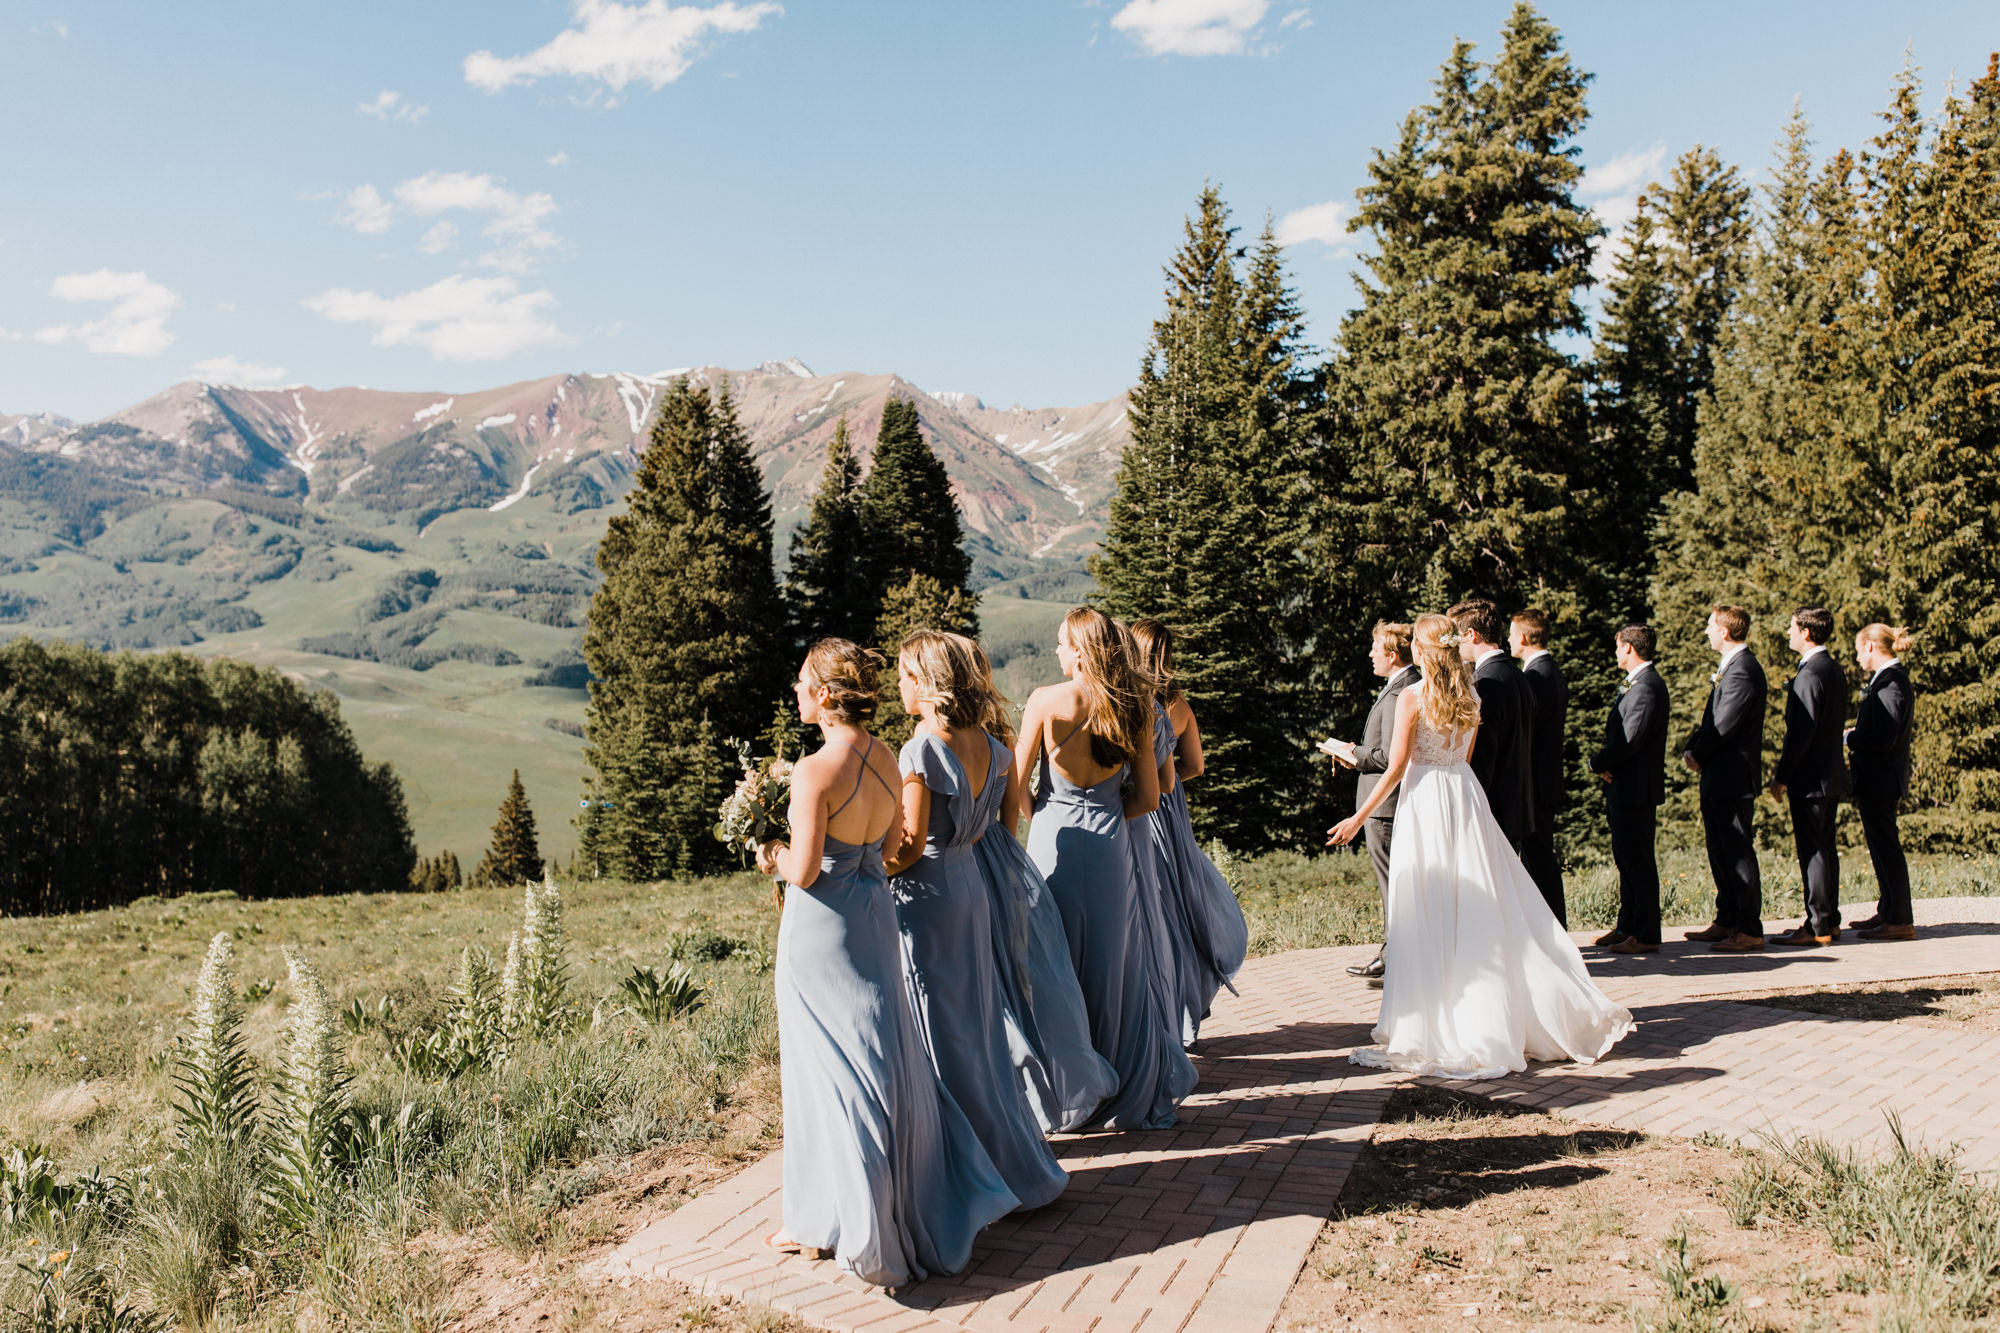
column 1624, row 688
column 1715, row 675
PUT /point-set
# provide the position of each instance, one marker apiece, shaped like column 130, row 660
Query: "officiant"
column 1389, row 656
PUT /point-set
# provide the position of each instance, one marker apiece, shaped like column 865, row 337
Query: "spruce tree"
column 908, row 513
column 512, row 856
column 685, row 637
column 828, row 589
column 1458, row 457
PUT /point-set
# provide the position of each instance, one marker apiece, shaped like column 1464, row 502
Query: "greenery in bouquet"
column 757, row 810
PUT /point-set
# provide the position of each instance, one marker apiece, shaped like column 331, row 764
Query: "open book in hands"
column 1342, row 751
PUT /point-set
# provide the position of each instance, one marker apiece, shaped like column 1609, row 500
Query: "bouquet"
column 757, row 811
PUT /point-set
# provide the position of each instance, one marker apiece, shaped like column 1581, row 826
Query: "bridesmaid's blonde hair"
column 947, row 679
column 996, row 712
column 1894, row 642
column 1117, row 691
column 1450, row 703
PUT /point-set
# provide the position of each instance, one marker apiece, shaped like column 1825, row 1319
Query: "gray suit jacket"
column 1371, row 755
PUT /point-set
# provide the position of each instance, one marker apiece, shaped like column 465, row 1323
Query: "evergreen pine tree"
column 827, row 589
column 685, row 637
column 1458, row 460
column 512, row 856
column 907, row 509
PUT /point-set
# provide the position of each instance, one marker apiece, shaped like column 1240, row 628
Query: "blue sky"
column 977, row 195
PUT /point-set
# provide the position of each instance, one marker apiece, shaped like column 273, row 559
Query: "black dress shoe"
column 1372, row 968
column 1374, row 983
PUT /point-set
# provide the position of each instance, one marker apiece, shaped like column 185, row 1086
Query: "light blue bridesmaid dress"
column 1204, row 922
column 947, row 928
column 1078, row 839
column 1048, row 1028
column 881, row 1165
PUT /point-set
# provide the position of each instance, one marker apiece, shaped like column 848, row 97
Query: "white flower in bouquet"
column 758, row 810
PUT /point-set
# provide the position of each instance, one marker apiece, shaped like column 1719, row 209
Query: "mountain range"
column 430, row 556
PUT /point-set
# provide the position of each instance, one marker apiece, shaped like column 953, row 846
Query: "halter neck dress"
column 1204, row 922
column 947, row 930
column 1079, row 841
column 881, row 1165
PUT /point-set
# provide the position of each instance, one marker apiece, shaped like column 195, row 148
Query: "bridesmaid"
column 1082, row 738
column 882, row 1170
column 1048, row 1029
column 1204, row 921
column 955, row 777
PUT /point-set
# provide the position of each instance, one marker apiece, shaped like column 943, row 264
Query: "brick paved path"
column 1201, row 1228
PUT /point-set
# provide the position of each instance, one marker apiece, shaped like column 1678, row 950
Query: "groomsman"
column 1633, row 765
column 1728, row 752
column 1501, row 757
column 1389, row 655
column 1528, row 641
column 1880, row 744
column 1812, row 773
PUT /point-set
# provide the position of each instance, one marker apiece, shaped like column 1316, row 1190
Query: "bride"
column 1480, row 978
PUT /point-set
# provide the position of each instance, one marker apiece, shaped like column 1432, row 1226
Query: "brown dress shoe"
column 1718, row 931
column 1609, row 939
column 1631, row 944
column 1738, row 943
column 1803, row 938
column 1888, row 933
column 1869, row 924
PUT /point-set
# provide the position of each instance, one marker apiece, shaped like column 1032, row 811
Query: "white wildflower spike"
column 510, row 987
column 312, row 1112
column 314, row 1065
column 217, row 1012
column 213, row 1100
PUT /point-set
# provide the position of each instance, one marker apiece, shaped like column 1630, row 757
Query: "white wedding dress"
column 1480, row 978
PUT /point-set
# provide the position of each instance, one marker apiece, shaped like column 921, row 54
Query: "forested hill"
column 428, row 556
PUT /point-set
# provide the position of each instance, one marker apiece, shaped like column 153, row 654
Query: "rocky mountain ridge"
column 1032, row 482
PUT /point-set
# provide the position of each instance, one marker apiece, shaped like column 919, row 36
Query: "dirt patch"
column 522, row 1271
column 1956, row 1004
column 1484, row 1215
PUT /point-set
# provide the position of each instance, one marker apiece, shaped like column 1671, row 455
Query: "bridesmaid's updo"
column 946, row 675
column 1882, row 639
column 847, row 672
column 1450, row 701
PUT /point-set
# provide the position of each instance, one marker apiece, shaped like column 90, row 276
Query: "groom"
column 1501, row 757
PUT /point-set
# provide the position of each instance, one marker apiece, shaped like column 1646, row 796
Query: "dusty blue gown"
column 1047, row 1026
column 947, row 930
column 1079, row 841
column 1204, row 922
column 881, row 1166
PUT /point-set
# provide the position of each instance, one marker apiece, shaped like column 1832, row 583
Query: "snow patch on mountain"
column 434, row 410
column 494, row 423
column 791, row 365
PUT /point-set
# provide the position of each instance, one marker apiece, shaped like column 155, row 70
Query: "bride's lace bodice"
column 1436, row 749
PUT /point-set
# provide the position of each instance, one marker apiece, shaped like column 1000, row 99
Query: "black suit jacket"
column 1880, row 744
column 1371, row 754
column 1635, row 743
column 1811, row 762
column 1729, row 745
column 1551, row 695
column 1502, row 759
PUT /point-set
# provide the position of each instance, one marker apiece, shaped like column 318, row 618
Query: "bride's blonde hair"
column 1450, row 702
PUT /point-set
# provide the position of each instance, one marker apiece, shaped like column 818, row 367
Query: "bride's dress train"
column 1480, row 978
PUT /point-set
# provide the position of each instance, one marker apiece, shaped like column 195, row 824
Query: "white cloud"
column 1613, row 189
column 56, row 26
column 1191, row 27
column 232, row 370
column 1325, row 223
column 136, row 323
column 440, row 237
column 616, row 44
column 458, row 319
column 560, row 159
column 391, row 106
column 518, row 226
column 517, row 230
column 1300, row 18
column 366, row 211
column 9, row 336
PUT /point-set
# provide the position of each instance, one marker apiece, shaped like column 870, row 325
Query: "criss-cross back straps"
column 1069, row 735
column 865, row 768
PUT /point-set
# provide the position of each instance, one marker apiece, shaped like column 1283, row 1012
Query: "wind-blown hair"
column 1450, row 702
column 1117, row 692
column 847, row 670
column 946, row 676
column 996, row 712
column 1156, row 654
